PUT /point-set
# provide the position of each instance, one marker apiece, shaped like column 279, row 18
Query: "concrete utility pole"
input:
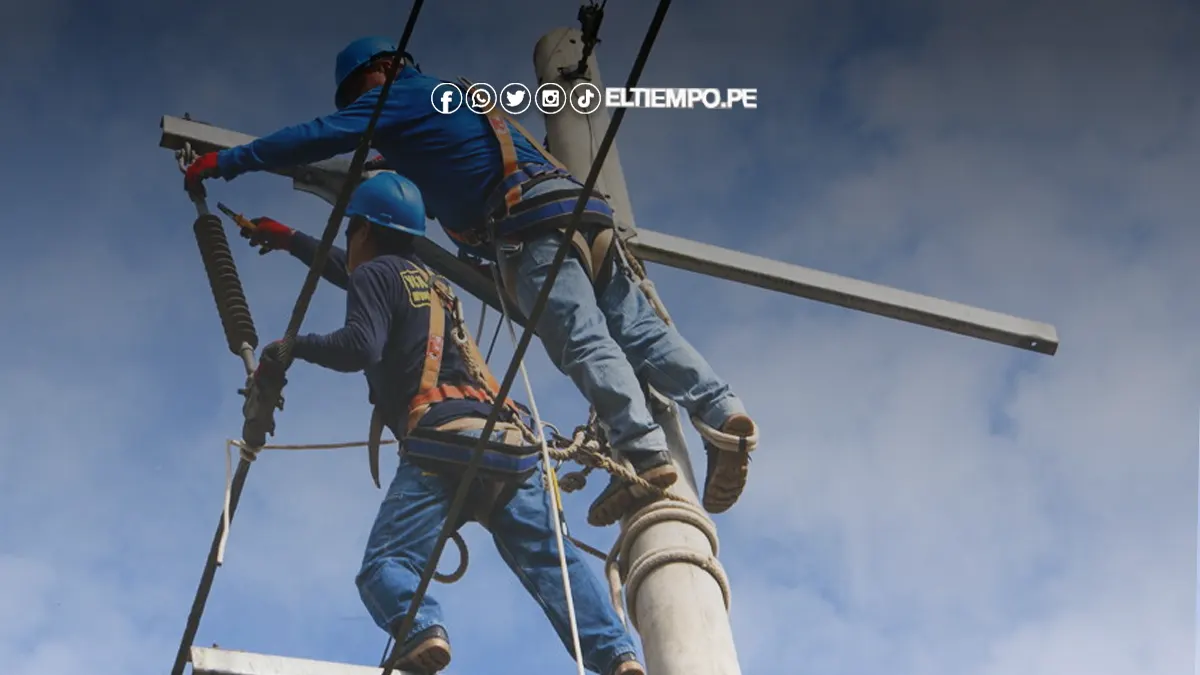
column 678, row 608
column 575, row 138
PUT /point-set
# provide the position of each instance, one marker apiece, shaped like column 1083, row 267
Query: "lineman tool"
column 237, row 218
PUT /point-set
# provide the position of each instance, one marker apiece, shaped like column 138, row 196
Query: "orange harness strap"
column 591, row 255
column 429, row 391
column 434, row 348
column 448, row 392
column 508, row 153
column 497, row 117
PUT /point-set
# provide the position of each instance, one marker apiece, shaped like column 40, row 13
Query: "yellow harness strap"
column 429, row 391
column 434, row 348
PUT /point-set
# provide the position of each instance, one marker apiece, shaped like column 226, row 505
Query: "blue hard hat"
column 356, row 55
column 390, row 200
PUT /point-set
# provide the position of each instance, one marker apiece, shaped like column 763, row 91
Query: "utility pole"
column 575, row 138
column 679, row 607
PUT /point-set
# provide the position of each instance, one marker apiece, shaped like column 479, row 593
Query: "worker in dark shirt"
column 423, row 387
column 503, row 198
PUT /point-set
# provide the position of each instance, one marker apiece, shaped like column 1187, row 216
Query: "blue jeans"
column 402, row 539
column 605, row 343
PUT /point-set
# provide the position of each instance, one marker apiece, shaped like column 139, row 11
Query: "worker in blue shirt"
column 397, row 314
column 503, row 198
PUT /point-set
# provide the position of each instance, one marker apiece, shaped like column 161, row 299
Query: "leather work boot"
column 426, row 652
column 627, row 664
column 727, row 470
column 654, row 467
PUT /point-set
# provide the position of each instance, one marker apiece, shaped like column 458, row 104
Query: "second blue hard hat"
column 390, row 200
column 356, row 55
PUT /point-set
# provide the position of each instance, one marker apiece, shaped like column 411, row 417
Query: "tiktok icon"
column 586, row 98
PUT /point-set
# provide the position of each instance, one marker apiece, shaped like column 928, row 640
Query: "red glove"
column 205, row 166
column 269, row 235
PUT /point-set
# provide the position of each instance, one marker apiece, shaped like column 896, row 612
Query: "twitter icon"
column 515, row 98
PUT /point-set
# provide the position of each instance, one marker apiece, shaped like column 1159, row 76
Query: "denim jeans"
column 402, row 539
column 605, row 343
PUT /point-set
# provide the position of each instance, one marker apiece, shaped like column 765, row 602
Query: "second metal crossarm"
column 864, row 296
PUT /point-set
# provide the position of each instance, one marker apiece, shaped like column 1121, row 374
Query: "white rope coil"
column 620, row 571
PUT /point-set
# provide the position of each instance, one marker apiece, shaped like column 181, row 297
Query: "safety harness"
column 509, row 457
column 510, row 211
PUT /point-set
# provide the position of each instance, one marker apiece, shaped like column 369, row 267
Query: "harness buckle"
column 510, row 247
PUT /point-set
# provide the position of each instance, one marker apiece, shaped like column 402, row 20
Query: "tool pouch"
column 507, row 456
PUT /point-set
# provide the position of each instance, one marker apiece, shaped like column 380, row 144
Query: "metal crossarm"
column 833, row 289
column 324, row 179
column 213, row 661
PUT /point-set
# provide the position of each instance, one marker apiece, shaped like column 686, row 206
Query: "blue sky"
column 921, row 502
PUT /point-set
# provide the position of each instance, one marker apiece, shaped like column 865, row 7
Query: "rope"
column 578, row 449
column 250, row 454
column 552, row 478
column 675, row 508
column 618, row 568
column 406, row 624
column 585, row 450
column 638, row 272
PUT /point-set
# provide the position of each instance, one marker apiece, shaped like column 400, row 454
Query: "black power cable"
column 488, row 359
column 183, row 655
column 464, row 486
column 590, row 17
column 339, row 208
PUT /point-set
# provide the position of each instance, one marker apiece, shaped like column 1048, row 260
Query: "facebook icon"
column 446, row 98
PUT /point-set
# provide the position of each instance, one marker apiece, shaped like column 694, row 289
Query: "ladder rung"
column 211, row 661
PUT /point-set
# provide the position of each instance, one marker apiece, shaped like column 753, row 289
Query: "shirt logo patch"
column 417, row 286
